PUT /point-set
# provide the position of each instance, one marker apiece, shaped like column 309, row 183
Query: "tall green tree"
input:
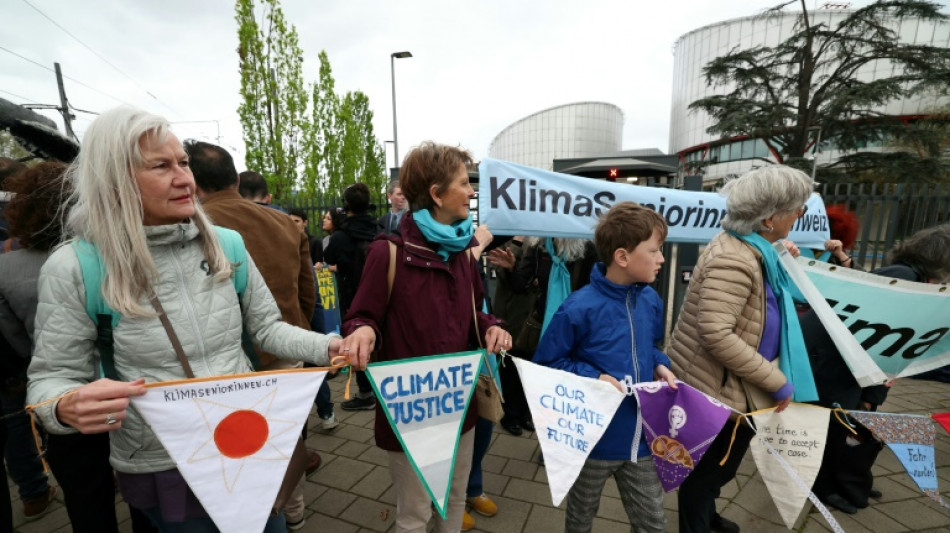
column 361, row 156
column 9, row 147
column 785, row 94
column 274, row 98
column 321, row 141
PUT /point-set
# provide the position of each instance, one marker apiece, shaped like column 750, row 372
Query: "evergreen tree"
column 785, row 94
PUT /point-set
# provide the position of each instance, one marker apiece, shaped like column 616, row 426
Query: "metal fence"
column 316, row 207
column 889, row 213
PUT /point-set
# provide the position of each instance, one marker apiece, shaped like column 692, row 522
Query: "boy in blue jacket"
column 610, row 330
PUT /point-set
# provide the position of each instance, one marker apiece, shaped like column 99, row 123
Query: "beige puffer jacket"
column 714, row 344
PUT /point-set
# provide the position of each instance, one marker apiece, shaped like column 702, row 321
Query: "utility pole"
column 64, row 105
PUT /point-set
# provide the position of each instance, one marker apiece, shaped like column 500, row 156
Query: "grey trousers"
column 640, row 492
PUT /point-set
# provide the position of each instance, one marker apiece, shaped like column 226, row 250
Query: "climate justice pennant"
column 425, row 400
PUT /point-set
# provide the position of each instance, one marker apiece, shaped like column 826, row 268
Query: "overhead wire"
column 18, row 96
column 74, row 80
column 97, row 54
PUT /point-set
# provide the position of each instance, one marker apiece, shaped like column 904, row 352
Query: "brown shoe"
column 314, row 463
column 35, row 507
column 468, row 523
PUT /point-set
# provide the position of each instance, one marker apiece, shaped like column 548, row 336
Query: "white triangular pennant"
column 232, row 436
column 798, row 436
column 570, row 413
column 426, row 399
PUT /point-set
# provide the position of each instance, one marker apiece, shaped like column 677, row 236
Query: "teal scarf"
column 793, row 356
column 559, row 285
column 451, row 238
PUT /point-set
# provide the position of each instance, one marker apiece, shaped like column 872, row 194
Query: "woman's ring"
column 346, row 349
column 110, row 419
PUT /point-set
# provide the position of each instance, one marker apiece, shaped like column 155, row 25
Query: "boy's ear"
column 620, row 257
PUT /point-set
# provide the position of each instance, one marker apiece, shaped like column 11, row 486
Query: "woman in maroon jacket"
column 429, row 312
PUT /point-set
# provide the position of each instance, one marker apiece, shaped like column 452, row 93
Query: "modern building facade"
column 581, row 129
column 692, row 51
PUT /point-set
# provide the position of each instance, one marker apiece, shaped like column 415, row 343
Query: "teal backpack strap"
column 233, row 245
column 105, row 319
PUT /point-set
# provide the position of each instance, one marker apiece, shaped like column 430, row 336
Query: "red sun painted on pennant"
column 241, row 433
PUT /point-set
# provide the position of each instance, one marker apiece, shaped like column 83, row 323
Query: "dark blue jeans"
column 324, row 405
column 23, row 461
column 483, row 429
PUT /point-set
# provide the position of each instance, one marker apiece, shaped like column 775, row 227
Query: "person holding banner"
column 166, row 276
column 844, row 480
column 610, row 330
column 737, row 338
column 430, row 307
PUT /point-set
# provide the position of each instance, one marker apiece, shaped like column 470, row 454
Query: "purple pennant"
column 679, row 425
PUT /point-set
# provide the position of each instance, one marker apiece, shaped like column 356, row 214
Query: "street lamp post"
column 392, row 70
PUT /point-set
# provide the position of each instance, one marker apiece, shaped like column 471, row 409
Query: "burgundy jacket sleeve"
column 485, row 320
column 372, row 296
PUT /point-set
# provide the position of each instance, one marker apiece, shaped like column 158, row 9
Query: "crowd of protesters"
column 156, row 213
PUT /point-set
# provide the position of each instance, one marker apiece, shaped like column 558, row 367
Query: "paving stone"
column 895, row 488
column 52, row 520
column 520, row 469
column 373, row 484
column 528, row 491
column 343, row 472
column 494, row 483
column 513, row 447
column 312, row 491
column 353, row 449
column 511, row 517
column 670, row 502
column 610, row 488
column 322, row 523
column 370, row 514
column 364, row 419
column 757, row 501
column 493, row 463
column 325, row 443
column 870, row 519
column 333, row 502
column 612, row 509
column 355, row 433
column 602, row 525
column 545, row 519
column 913, row 514
column 541, row 476
column 375, row 455
column 389, row 496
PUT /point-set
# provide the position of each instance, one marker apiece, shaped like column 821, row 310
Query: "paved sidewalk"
column 352, row 491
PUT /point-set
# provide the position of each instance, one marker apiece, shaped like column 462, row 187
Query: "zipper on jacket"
column 633, row 337
column 190, row 311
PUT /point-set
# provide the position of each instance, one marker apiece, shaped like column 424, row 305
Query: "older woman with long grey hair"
column 737, row 338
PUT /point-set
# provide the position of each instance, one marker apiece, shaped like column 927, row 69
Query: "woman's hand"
column 613, row 381
column 358, row 346
column 502, row 258
column 484, row 237
column 661, row 373
column 792, row 248
column 497, row 339
column 99, row 406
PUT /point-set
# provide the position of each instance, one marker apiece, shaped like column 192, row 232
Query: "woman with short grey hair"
column 737, row 338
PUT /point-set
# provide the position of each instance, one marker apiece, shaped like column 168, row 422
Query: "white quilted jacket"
column 205, row 315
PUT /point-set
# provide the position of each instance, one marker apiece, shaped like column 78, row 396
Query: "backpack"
column 106, row 319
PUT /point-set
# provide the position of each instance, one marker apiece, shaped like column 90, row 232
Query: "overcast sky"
column 478, row 65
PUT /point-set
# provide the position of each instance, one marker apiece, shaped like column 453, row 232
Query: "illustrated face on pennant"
column 452, row 205
column 165, row 182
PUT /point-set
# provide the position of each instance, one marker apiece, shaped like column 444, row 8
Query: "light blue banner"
column 884, row 327
column 519, row 200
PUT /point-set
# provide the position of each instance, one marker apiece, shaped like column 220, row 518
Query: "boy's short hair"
column 626, row 225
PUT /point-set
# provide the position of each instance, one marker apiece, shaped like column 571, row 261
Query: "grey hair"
column 761, row 193
column 928, row 251
column 107, row 207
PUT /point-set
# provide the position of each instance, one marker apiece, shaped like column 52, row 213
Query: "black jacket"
column 347, row 250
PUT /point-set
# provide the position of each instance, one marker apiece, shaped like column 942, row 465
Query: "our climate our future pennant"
column 570, row 413
column 231, row 437
column 425, row 400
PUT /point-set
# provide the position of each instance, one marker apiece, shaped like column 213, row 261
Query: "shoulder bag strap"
column 179, row 351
